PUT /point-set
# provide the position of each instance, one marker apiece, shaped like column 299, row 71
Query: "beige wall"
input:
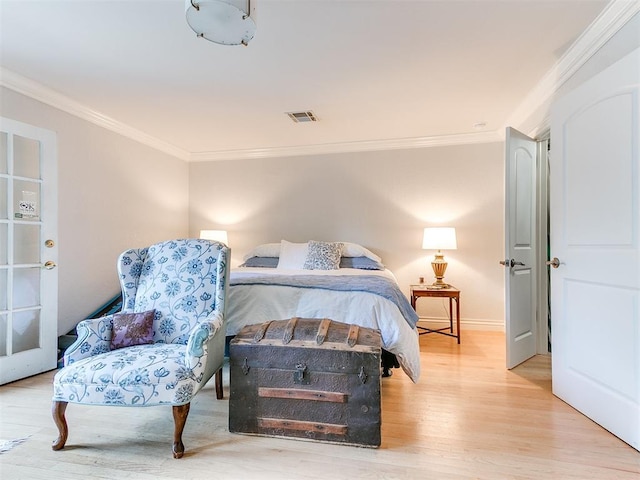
column 113, row 194
column 382, row 200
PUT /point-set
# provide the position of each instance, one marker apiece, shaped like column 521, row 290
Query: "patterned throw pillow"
column 132, row 329
column 323, row 256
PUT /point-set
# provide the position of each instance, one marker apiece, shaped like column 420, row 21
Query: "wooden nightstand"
column 452, row 293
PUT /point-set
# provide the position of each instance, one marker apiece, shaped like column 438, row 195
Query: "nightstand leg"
column 458, row 319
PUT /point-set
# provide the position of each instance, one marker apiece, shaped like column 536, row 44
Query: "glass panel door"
column 28, row 218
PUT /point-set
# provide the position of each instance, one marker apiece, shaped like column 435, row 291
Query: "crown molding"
column 614, row 16
column 349, row 147
column 37, row 91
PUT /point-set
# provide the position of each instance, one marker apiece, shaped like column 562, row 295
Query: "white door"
column 28, row 251
column 520, row 247
column 595, row 234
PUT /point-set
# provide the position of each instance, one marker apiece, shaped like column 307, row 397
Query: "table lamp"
column 215, row 235
column 439, row 238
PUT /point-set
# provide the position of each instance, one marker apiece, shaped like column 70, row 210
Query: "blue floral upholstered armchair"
column 164, row 345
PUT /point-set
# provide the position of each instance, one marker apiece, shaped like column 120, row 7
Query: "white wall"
column 114, row 194
column 623, row 42
column 382, row 200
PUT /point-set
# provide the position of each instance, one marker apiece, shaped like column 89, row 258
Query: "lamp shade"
column 227, row 22
column 215, row 235
column 439, row 238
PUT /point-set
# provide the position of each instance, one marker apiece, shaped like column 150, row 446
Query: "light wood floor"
column 467, row 418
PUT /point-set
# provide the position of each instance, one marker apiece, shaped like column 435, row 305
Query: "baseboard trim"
column 486, row 324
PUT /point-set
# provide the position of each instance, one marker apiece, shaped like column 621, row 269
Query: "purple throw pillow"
column 132, row 329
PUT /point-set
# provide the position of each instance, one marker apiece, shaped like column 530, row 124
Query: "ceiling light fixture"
column 228, row 22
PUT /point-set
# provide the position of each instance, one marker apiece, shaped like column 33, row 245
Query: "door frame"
column 542, row 247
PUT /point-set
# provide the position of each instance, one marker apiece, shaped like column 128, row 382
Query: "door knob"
column 510, row 263
column 555, row 263
column 49, row 265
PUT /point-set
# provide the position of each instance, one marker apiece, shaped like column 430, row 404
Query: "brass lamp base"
column 439, row 266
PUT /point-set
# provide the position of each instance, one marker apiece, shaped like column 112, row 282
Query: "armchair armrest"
column 94, row 337
column 200, row 341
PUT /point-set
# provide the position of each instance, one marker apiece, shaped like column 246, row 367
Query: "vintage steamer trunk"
column 306, row 378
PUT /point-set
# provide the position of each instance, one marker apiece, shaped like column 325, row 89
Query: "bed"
column 338, row 280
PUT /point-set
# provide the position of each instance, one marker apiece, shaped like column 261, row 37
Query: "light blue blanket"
column 377, row 285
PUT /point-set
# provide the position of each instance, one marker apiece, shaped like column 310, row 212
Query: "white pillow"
column 355, row 250
column 292, row 255
column 349, row 250
column 264, row 250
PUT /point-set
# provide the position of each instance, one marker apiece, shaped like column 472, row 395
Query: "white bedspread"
column 251, row 304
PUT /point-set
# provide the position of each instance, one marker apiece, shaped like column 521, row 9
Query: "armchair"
column 164, row 345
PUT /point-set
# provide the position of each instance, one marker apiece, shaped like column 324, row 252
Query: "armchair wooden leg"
column 57, row 410
column 180, row 413
column 219, row 392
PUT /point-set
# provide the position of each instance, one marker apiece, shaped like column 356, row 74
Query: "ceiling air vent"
column 300, row 117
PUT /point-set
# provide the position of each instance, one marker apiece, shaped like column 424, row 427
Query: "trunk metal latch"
column 362, row 376
column 245, row 366
column 301, row 376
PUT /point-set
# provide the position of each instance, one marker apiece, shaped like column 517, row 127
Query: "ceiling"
column 371, row 71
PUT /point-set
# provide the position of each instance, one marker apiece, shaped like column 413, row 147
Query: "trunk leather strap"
column 288, row 330
column 323, row 328
column 352, row 339
column 259, row 335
